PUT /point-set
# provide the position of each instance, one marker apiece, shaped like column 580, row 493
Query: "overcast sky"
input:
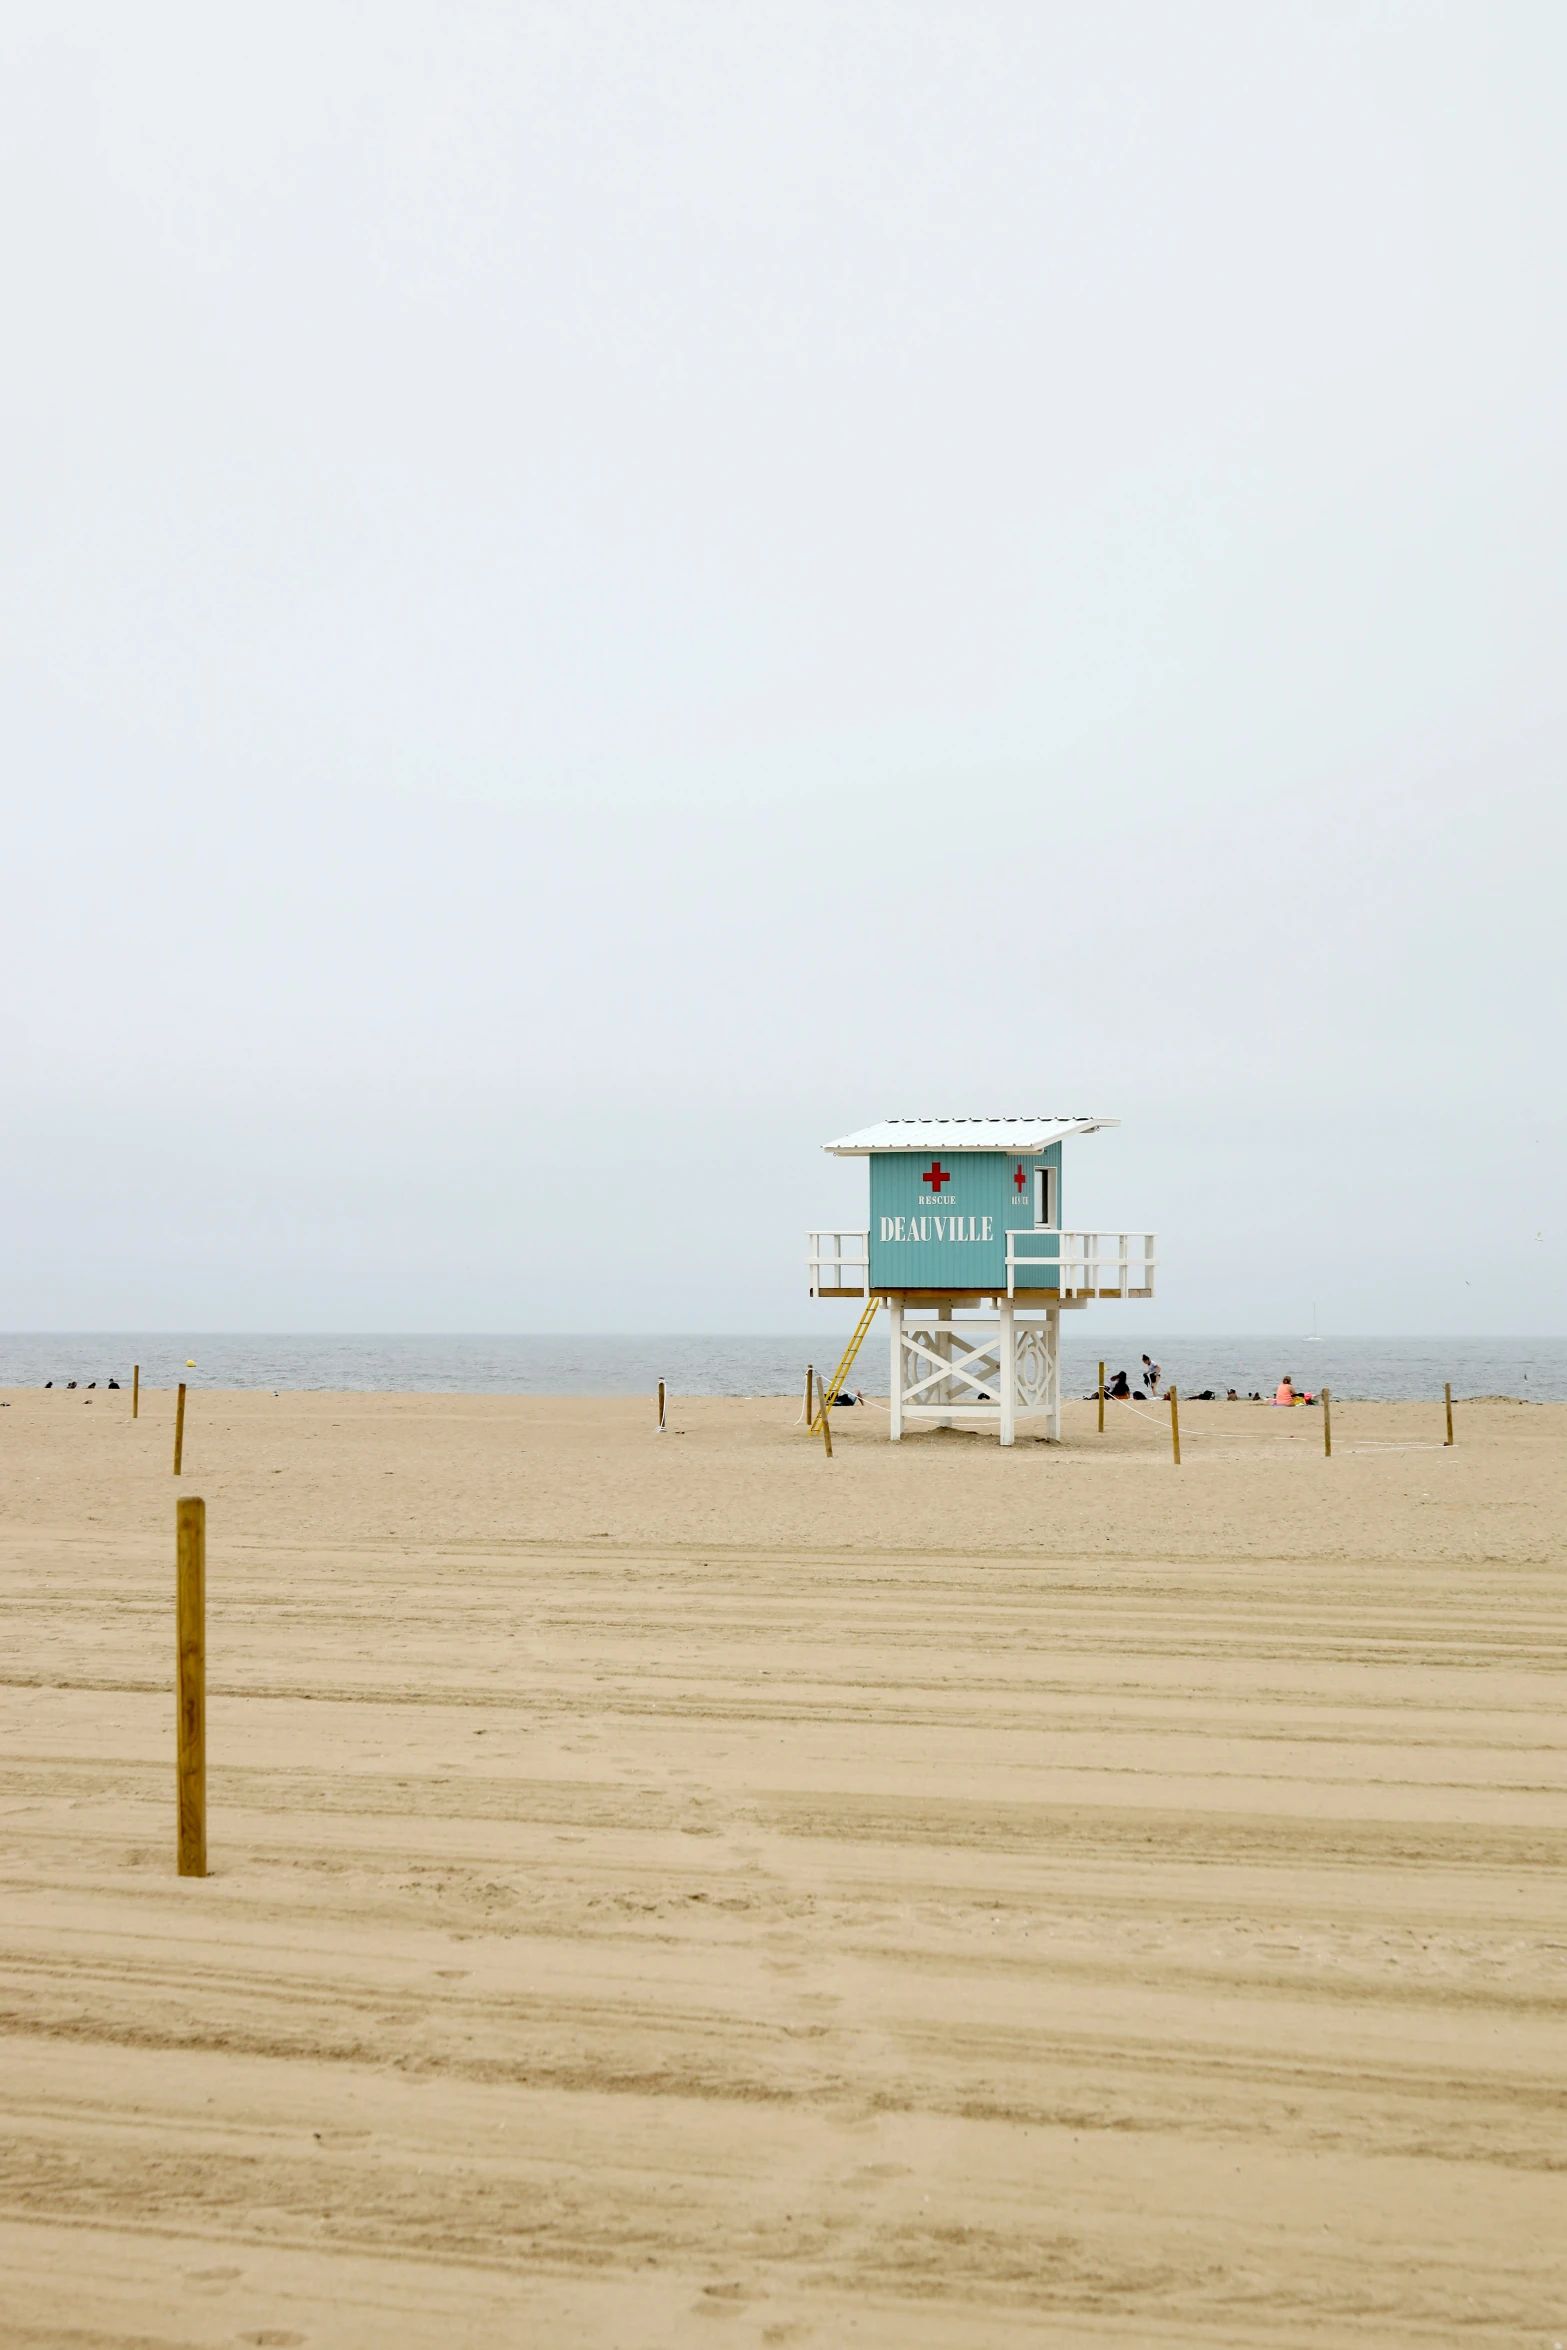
column 594, row 595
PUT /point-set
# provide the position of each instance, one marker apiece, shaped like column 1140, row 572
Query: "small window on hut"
column 1045, row 1197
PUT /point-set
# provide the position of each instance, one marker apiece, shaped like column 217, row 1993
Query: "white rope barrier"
column 1215, row 1435
column 1203, row 1435
column 1129, row 1407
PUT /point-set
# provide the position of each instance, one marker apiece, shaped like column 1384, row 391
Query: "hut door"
column 1045, row 1198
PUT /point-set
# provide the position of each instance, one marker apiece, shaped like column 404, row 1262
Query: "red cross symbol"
column 936, row 1175
column 1020, row 1179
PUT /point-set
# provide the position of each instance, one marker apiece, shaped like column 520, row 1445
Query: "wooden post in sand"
column 1101, row 1399
column 190, row 1733
column 826, row 1428
column 1327, row 1422
column 1175, row 1428
column 661, row 1407
column 179, row 1428
column 1448, row 1392
column 135, row 1391
column 810, row 1381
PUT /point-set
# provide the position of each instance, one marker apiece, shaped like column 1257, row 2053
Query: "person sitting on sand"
column 1232, row 1397
column 1119, row 1390
column 1286, row 1394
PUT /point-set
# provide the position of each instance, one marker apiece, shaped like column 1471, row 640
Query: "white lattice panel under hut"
column 975, row 1370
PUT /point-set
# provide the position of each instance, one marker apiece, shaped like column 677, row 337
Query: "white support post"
column 895, row 1391
column 1053, row 1375
column 1008, row 1371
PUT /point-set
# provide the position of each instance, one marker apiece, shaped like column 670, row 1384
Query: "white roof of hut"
column 1025, row 1136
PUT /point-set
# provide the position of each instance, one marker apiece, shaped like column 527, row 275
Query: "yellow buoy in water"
column 190, row 1362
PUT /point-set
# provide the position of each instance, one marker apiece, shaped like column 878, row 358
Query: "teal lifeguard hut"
column 967, row 1248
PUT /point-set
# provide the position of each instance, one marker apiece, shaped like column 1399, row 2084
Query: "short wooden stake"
column 136, row 1391
column 1448, row 1391
column 826, row 1428
column 190, row 1740
column 1101, row 1399
column 1175, row 1428
column 661, row 1407
column 179, row 1428
column 1327, row 1422
column 810, row 1382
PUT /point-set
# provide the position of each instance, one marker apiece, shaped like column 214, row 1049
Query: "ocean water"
column 1375, row 1369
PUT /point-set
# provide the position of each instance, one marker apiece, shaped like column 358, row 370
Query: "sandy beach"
column 671, row 1889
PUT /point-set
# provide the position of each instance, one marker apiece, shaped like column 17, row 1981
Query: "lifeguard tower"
column 967, row 1249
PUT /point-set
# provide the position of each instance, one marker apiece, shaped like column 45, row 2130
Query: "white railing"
column 835, row 1271
column 1083, row 1264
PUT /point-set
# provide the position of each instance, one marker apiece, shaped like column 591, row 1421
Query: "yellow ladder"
column 834, row 1385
